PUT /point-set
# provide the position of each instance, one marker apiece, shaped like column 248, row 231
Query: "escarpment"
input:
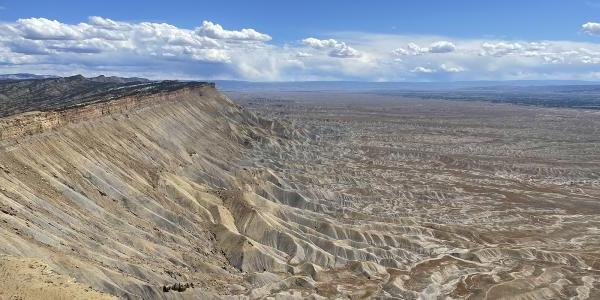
column 169, row 190
column 124, row 99
column 124, row 195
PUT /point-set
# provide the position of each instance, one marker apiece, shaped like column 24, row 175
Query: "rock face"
column 138, row 193
column 29, row 123
column 18, row 96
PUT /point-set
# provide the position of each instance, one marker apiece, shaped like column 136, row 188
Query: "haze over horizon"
column 271, row 41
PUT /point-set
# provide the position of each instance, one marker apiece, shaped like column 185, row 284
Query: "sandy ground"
column 26, row 278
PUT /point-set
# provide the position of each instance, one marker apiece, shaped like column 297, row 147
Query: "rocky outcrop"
column 54, row 94
column 30, row 123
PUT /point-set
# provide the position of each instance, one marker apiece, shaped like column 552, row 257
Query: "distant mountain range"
column 101, row 78
column 24, row 76
column 235, row 85
column 554, row 93
column 550, row 93
column 228, row 85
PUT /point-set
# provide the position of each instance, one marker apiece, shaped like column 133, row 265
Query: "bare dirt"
column 27, row 278
column 455, row 199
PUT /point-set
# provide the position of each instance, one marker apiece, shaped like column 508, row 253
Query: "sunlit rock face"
column 175, row 191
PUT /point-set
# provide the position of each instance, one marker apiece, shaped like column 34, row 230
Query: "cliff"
column 118, row 193
column 126, row 99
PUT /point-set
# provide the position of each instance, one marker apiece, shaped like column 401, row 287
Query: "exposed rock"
column 177, row 287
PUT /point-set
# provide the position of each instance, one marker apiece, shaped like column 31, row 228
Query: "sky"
column 304, row 40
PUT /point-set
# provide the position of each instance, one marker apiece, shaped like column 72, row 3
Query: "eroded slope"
column 128, row 202
column 184, row 194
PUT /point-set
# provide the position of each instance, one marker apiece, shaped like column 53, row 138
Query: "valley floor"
column 490, row 200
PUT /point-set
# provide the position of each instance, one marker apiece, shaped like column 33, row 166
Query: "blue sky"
column 305, row 40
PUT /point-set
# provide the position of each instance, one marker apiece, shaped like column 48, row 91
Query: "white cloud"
column 344, row 52
column 422, row 70
column 321, row 44
column 452, row 69
column 435, row 47
column 590, row 60
column 107, row 23
column 44, row 29
column 591, row 28
column 442, row 47
column 500, row 48
column 338, row 49
column 40, row 36
column 400, row 52
column 303, row 54
column 444, row 68
column 210, row 51
column 414, row 49
column 216, row 31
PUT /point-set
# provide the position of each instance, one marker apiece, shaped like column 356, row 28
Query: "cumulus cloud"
column 500, row 48
column 303, row 54
column 338, row 49
column 321, row 44
column 444, row 68
column 44, row 29
column 53, row 39
column 414, row 49
column 591, row 28
column 442, row 47
column 216, row 31
column 422, row 70
column 344, row 52
column 590, row 60
column 27, row 47
column 211, row 51
column 400, row 52
column 451, row 69
column 105, row 23
column 436, row 47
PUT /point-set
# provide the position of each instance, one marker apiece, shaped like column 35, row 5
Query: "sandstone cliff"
column 33, row 122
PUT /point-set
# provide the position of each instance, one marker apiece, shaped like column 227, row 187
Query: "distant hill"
column 101, row 78
column 547, row 93
column 24, row 76
column 230, row 85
